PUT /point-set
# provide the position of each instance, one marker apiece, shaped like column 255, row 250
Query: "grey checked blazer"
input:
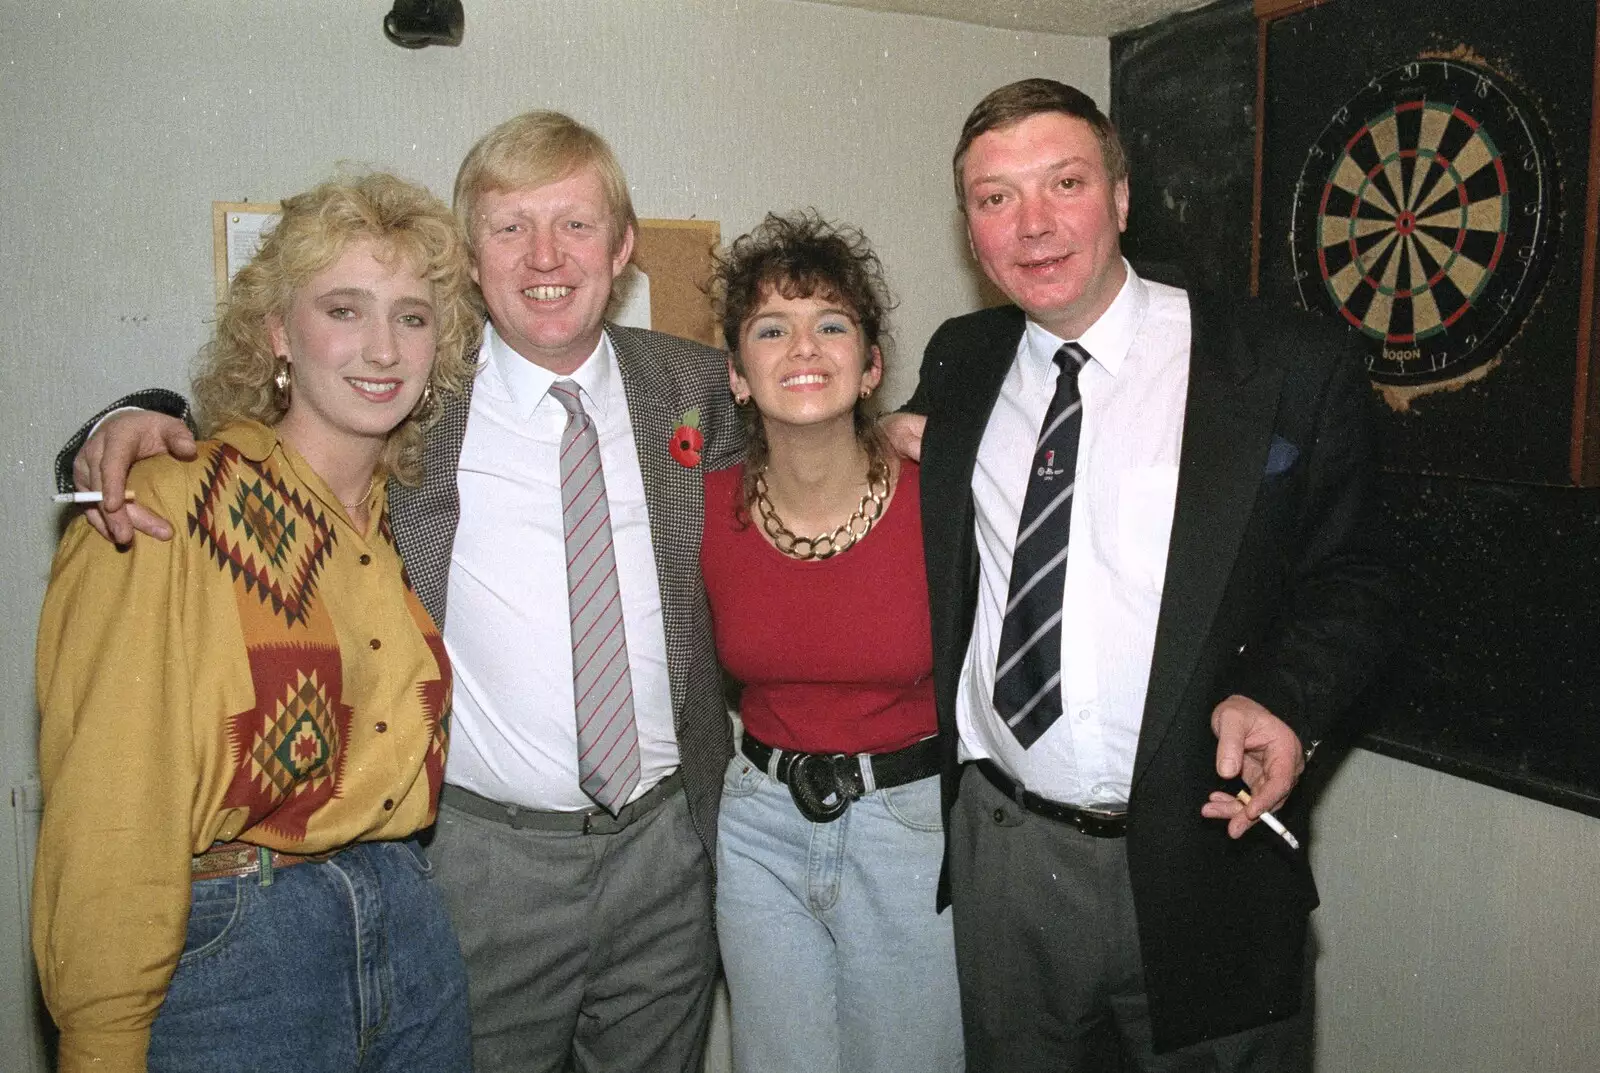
column 663, row 377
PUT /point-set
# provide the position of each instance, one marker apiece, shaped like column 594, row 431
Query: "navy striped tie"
column 1027, row 679
column 602, row 685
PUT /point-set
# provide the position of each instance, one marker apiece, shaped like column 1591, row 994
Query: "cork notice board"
column 676, row 255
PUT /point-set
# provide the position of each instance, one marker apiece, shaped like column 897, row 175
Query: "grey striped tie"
column 1027, row 677
column 608, row 740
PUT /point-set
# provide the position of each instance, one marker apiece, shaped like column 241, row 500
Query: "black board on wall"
column 1183, row 98
column 1497, row 583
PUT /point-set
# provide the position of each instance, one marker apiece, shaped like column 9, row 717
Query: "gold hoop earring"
column 424, row 400
column 742, row 400
column 283, row 380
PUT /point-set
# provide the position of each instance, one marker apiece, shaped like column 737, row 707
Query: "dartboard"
column 1423, row 217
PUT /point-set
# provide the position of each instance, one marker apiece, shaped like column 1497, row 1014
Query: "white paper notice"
column 630, row 299
column 245, row 232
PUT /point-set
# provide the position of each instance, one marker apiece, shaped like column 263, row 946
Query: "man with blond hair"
column 577, row 827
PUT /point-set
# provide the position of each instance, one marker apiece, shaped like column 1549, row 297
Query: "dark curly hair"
column 801, row 255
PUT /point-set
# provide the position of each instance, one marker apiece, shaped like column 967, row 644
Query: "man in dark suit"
column 1152, row 574
column 581, row 891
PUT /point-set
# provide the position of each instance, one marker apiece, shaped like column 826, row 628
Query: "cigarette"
column 86, row 497
column 1272, row 822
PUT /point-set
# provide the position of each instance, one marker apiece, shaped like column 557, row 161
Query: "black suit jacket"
column 1273, row 590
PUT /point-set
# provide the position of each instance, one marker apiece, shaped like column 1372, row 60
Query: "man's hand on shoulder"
column 1257, row 746
column 109, row 454
column 904, row 433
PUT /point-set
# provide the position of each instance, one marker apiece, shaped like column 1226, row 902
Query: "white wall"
column 123, row 122
column 1459, row 930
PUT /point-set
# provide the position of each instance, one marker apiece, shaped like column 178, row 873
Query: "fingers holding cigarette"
column 136, row 518
column 1271, row 821
column 1225, row 806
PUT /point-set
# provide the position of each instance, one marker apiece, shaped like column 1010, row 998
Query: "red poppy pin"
column 687, row 442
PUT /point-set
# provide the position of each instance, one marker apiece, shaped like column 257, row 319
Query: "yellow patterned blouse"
column 267, row 675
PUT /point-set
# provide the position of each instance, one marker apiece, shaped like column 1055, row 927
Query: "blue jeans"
column 834, row 955
column 345, row 965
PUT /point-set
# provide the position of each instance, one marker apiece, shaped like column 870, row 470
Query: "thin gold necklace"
column 360, row 504
column 841, row 539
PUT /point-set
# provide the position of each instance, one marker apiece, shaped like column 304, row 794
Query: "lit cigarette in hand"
column 86, row 497
column 1272, row 822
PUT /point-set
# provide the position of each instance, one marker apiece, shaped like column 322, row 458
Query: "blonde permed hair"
column 234, row 380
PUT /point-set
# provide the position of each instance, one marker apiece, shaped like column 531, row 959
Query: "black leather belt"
column 1097, row 823
column 824, row 784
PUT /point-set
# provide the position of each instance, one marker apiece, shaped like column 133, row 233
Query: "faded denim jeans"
column 835, row 958
column 345, row 965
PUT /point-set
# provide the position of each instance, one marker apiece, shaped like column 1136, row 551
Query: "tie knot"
column 566, row 393
column 1071, row 358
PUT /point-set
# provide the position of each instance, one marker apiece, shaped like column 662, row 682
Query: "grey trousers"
column 1047, row 950
column 593, row 953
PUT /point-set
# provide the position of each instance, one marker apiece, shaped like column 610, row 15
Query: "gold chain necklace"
column 826, row 545
column 351, row 508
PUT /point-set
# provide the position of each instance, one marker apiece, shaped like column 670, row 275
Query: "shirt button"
column 999, row 815
column 374, row 644
column 1083, row 716
column 388, row 804
column 365, row 560
column 381, row 727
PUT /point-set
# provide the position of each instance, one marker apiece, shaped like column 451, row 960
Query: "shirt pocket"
column 1145, row 501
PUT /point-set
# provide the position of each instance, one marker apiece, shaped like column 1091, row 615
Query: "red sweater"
column 836, row 655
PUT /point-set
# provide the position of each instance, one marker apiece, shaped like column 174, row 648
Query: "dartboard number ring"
column 1423, row 218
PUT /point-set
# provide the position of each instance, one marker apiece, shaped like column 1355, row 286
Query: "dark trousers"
column 587, row 952
column 1047, row 950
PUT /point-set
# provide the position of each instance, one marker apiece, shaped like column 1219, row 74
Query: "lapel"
column 673, row 495
column 956, row 423
column 424, row 518
column 1228, row 421
column 961, row 421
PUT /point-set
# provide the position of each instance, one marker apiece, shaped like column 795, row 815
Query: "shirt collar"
column 1109, row 339
column 256, row 443
column 253, row 440
column 525, row 385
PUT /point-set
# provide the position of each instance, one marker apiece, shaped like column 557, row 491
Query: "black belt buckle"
column 820, row 785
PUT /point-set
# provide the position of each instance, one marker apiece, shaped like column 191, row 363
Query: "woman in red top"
column 830, row 838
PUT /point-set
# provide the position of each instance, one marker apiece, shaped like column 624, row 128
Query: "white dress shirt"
column 514, row 735
column 1133, row 390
